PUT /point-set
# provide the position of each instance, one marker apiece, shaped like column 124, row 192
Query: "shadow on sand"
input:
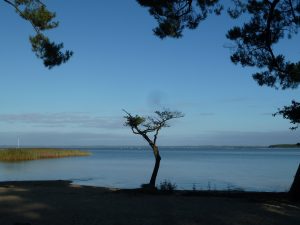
column 62, row 203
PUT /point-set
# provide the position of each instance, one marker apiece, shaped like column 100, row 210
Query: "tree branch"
column 293, row 12
column 21, row 13
column 155, row 136
column 126, row 112
column 134, row 131
column 268, row 27
column 150, row 142
column 189, row 4
column 269, row 34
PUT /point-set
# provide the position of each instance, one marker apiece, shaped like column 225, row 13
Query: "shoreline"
column 61, row 202
column 64, row 183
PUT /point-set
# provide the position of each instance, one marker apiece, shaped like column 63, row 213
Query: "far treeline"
column 285, row 146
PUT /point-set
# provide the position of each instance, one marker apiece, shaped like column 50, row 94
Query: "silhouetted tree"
column 41, row 19
column 145, row 125
column 269, row 21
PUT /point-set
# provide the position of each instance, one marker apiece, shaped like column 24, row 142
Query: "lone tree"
column 41, row 19
column 143, row 126
column 269, row 21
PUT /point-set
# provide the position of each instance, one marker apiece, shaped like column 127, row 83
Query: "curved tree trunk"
column 295, row 188
column 156, row 166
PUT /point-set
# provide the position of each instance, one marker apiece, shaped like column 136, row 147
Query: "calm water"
column 252, row 169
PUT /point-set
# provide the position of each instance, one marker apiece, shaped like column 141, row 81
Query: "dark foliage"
column 41, row 19
column 175, row 15
column 291, row 113
column 49, row 52
column 269, row 22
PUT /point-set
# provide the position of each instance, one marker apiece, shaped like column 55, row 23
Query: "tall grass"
column 14, row 155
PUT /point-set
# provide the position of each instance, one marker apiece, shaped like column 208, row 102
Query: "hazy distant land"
column 285, row 146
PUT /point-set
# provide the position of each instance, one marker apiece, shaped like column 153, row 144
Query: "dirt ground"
column 62, row 203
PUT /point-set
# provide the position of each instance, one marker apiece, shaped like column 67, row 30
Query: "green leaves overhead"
column 41, row 20
column 48, row 51
column 173, row 16
column 36, row 12
column 270, row 21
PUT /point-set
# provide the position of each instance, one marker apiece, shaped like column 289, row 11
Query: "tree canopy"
column 41, row 19
column 144, row 125
column 269, row 21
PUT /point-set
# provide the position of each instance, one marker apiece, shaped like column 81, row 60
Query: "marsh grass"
column 24, row 154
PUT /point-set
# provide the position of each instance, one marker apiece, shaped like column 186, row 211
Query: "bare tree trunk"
column 156, row 166
column 295, row 188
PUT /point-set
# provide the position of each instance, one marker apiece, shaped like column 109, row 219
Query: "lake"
column 213, row 168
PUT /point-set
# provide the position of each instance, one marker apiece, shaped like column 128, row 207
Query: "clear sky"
column 119, row 64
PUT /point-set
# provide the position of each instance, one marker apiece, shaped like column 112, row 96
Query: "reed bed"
column 24, row 154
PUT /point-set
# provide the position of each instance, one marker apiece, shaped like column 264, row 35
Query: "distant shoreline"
column 164, row 147
column 285, row 146
column 137, row 146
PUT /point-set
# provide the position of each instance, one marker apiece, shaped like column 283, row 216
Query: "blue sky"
column 118, row 63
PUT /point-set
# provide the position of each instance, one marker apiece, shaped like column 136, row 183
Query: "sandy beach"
column 63, row 203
